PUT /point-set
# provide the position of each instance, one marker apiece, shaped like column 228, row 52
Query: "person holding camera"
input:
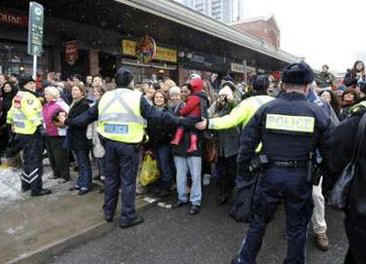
column 228, row 145
column 355, row 75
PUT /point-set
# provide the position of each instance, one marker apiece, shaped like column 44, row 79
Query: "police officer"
column 120, row 114
column 290, row 129
column 26, row 120
column 243, row 112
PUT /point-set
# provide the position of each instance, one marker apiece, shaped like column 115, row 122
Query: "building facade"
column 221, row 10
column 263, row 28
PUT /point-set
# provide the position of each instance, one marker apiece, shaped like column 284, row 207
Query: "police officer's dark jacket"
column 289, row 128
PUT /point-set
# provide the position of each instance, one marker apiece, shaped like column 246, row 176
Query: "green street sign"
column 35, row 29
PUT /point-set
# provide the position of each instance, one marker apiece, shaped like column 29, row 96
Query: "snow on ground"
column 10, row 185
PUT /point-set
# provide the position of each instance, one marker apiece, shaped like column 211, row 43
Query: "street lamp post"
column 10, row 63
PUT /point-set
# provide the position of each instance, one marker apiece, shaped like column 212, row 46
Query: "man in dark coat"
column 343, row 141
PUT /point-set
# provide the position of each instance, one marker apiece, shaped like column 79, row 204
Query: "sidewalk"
column 34, row 229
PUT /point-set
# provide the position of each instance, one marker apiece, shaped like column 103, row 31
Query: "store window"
column 14, row 59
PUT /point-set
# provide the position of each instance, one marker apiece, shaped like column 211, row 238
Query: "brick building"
column 264, row 28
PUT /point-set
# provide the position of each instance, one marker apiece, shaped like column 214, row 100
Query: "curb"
column 47, row 253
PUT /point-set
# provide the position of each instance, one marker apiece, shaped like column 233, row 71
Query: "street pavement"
column 173, row 237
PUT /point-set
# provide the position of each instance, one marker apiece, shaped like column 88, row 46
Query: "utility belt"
column 294, row 164
column 261, row 162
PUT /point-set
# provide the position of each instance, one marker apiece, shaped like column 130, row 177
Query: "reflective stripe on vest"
column 119, row 117
column 130, row 116
column 26, row 102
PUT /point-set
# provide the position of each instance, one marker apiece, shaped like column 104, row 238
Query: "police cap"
column 298, row 73
column 261, row 83
column 123, row 77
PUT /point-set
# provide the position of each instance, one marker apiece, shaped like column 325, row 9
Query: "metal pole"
column 34, row 67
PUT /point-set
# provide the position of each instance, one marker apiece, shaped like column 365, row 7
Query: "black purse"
column 339, row 195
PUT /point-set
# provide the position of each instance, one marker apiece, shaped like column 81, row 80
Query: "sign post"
column 35, row 33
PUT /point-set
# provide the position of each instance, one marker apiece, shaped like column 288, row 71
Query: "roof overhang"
column 180, row 14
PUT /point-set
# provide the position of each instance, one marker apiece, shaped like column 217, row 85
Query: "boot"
column 322, row 241
column 193, row 144
column 178, row 136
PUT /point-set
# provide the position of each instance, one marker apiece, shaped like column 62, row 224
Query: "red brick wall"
column 261, row 29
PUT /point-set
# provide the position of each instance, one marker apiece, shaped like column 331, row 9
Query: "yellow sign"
column 162, row 54
column 290, row 123
column 165, row 54
column 129, row 47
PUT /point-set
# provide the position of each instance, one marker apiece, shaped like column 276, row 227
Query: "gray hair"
column 53, row 91
column 174, row 90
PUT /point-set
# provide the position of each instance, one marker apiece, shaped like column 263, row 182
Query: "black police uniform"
column 290, row 128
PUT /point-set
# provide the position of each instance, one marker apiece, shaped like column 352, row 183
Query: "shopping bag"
column 339, row 195
column 149, row 171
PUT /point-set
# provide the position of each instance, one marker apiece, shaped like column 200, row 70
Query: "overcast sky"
column 329, row 32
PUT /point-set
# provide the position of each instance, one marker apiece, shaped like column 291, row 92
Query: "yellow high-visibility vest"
column 25, row 114
column 356, row 107
column 119, row 116
column 241, row 114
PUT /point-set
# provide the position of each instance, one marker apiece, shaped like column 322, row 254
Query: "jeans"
column 165, row 163
column 193, row 164
column 85, row 172
column 318, row 218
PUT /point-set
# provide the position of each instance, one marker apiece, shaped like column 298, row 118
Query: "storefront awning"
column 178, row 13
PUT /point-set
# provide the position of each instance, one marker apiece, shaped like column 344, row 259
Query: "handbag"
column 341, row 190
column 211, row 151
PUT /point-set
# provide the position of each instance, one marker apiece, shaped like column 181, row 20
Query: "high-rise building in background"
column 226, row 11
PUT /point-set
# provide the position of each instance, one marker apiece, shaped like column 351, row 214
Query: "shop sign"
column 71, row 52
column 236, row 67
column 162, row 54
column 11, row 19
column 129, row 47
column 35, row 29
column 197, row 58
column 145, row 49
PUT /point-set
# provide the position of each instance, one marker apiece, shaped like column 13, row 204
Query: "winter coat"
column 343, row 140
column 7, row 100
column 158, row 133
column 192, row 107
column 49, row 111
column 76, row 136
column 228, row 139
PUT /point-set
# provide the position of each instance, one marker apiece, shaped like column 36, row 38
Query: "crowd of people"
column 208, row 142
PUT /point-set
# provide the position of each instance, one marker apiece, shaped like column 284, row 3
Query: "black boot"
column 41, row 192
